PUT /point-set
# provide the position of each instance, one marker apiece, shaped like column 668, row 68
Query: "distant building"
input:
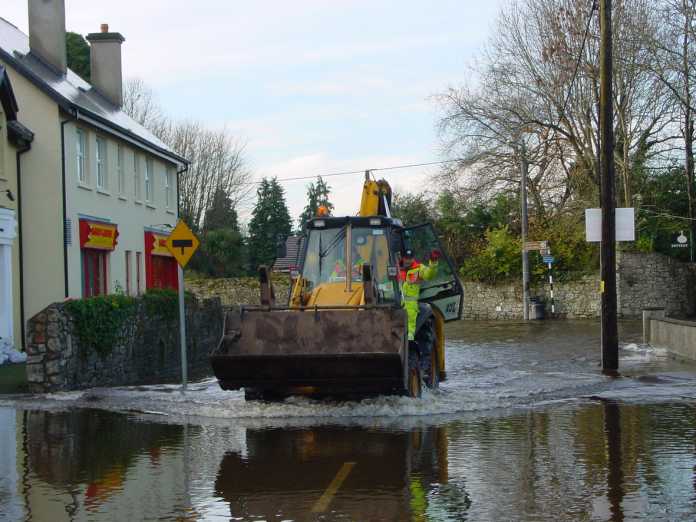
column 97, row 191
column 293, row 246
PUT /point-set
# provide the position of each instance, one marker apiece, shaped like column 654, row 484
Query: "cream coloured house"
column 98, row 190
column 15, row 139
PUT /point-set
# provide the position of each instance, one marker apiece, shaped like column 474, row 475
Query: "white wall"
column 132, row 216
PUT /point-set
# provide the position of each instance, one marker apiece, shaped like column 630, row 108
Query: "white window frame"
column 137, row 188
column 149, row 193
column 120, row 170
column 168, row 195
column 129, row 275
column 81, row 155
column 101, row 156
column 138, row 273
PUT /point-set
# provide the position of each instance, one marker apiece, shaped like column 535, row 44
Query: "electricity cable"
column 353, row 172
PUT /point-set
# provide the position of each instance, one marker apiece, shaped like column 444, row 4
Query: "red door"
column 164, row 273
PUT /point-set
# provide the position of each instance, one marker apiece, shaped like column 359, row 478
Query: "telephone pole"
column 524, row 172
column 610, row 336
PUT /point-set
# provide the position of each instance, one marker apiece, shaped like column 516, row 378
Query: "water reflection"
column 598, row 460
column 367, row 474
column 612, row 428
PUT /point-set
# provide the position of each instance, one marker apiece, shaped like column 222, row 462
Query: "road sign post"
column 182, row 243
column 182, row 329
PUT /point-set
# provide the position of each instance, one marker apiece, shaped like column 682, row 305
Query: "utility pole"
column 524, row 172
column 610, row 336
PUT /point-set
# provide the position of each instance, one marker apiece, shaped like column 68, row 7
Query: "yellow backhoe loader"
column 343, row 331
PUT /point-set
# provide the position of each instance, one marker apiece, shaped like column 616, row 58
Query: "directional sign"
column 548, row 259
column 536, row 245
column 182, row 243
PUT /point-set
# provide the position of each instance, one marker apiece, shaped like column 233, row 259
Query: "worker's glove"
column 435, row 255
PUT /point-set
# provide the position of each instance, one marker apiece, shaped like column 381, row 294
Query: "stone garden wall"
column 655, row 280
column 574, row 300
column 643, row 280
column 239, row 290
column 146, row 350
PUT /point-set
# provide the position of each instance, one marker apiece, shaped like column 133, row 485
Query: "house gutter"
column 178, row 191
column 65, row 204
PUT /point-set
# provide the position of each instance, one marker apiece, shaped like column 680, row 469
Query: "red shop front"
column 97, row 241
column 160, row 265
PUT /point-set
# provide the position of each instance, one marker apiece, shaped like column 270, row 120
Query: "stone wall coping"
column 671, row 320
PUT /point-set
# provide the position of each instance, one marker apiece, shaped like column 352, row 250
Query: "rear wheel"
column 428, row 351
column 414, row 373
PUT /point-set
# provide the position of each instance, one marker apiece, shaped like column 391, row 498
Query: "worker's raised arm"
column 429, row 271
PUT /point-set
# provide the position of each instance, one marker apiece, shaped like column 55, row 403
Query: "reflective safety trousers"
column 410, row 290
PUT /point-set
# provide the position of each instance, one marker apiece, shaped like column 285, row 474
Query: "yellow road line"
column 328, row 495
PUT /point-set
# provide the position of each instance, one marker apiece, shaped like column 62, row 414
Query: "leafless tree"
column 140, row 103
column 538, row 83
column 217, row 162
column 217, row 158
column 675, row 67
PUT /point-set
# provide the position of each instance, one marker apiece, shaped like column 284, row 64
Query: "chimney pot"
column 104, row 28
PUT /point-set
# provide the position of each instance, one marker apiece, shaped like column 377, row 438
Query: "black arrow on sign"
column 182, row 243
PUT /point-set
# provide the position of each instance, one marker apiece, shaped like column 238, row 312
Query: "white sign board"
column 625, row 224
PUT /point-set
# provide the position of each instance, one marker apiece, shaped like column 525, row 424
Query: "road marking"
column 328, row 495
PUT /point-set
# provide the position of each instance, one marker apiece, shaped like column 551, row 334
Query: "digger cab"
column 337, row 251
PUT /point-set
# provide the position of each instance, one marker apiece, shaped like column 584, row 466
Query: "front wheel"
column 429, row 358
column 414, row 373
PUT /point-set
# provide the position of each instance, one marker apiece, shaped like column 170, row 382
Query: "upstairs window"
column 168, row 188
column 81, row 155
column 119, row 170
column 149, row 196
column 102, row 181
column 137, row 189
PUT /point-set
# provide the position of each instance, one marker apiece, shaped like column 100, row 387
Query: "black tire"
column 429, row 359
column 415, row 388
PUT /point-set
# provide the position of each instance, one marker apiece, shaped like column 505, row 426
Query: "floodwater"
column 526, row 428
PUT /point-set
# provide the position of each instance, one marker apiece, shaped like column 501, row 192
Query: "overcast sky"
column 311, row 86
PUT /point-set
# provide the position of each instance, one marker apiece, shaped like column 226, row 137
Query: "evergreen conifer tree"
column 221, row 213
column 270, row 221
column 317, row 195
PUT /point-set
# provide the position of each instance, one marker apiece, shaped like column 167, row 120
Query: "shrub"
column 99, row 321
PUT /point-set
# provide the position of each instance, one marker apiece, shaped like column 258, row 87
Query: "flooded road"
column 526, row 428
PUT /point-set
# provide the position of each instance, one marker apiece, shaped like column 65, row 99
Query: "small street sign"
column 680, row 241
column 548, row 259
column 536, row 245
column 182, row 243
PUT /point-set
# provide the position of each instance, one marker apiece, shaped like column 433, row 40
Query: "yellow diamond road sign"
column 182, row 243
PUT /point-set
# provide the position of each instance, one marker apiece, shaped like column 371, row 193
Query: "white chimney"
column 107, row 74
column 47, row 32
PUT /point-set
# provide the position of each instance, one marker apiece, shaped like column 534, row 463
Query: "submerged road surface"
column 526, row 428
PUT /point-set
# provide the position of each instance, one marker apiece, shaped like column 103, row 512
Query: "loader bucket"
column 318, row 351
